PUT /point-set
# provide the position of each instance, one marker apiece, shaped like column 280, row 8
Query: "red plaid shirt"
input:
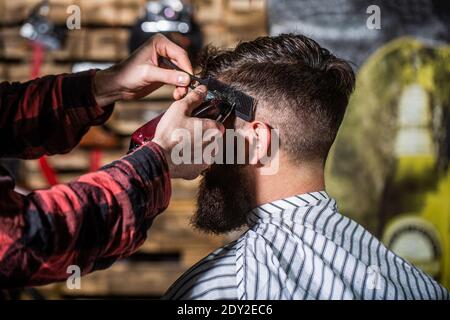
column 90, row 222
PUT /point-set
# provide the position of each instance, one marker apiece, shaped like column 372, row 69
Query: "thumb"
column 193, row 99
column 176, row 78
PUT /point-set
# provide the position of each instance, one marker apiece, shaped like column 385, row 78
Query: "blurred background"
column 388, row 168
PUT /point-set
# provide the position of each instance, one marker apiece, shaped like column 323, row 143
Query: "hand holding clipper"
column 178, row 116
column 220, row 102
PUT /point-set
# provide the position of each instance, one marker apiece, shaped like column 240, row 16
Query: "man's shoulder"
column 213, row 277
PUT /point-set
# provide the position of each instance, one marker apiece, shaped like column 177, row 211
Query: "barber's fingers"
column 211, row 133
column 212, row 124
column 193, row 99
column 166, row 48
column 157, row 74
column 180, row 92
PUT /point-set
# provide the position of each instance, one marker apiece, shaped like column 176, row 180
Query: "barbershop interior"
column 388, row 167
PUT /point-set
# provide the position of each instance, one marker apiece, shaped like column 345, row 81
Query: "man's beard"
column 225, row 196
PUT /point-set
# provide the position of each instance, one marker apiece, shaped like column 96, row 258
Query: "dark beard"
column 225, row 196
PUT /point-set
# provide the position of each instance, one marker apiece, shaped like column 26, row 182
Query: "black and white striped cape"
column 301, row 247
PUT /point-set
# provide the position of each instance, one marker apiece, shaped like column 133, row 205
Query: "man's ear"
column 260, row 144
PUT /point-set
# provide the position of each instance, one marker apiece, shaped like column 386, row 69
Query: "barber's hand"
column 178, row 117
column 139, row 74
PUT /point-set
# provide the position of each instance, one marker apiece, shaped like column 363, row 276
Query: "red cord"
column 96, row 159
column 48, row 171
column 37, row 59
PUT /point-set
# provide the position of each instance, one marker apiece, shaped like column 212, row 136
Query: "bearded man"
column 297, row 246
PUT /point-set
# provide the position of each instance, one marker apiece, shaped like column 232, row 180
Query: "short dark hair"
column 301, row 88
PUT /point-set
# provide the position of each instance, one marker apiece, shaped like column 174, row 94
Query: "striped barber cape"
column 301, row 247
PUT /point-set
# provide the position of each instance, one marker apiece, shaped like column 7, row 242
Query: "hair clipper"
column 221, row 101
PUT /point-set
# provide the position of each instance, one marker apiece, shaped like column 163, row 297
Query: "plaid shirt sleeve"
column 48, row 115
column 90, row 222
